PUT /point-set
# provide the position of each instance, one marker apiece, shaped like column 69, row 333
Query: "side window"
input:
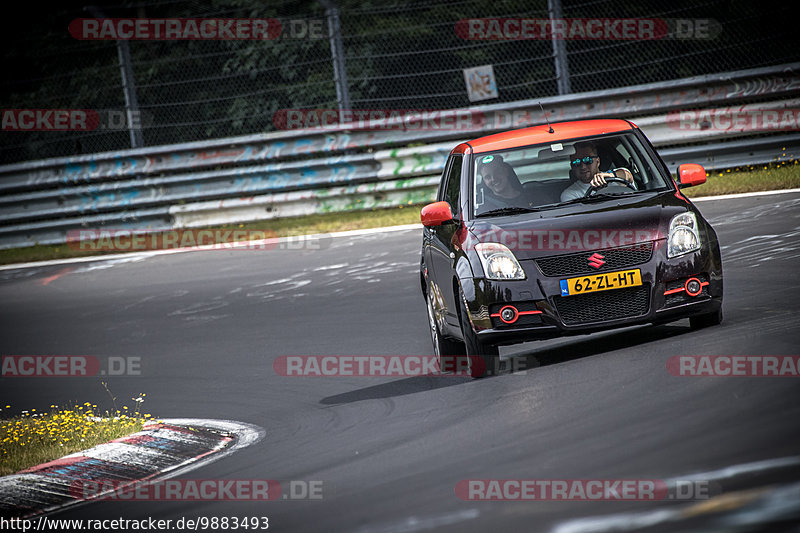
column 452, row 184
column 638, row 165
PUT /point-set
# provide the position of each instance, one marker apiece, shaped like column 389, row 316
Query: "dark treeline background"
column 398, row 55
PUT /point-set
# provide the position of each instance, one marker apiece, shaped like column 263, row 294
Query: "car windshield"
column 546, row 176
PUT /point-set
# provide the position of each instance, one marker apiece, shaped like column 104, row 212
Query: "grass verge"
column 35, row 438
column 753, row 179
column 763, row 178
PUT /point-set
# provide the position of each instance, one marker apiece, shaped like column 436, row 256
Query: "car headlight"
column 683, row 235
column 498, row 261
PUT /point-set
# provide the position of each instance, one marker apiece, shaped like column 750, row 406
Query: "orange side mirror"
column 691, row 174
column 436, row 214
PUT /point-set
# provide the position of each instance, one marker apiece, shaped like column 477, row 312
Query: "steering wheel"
column 593, row 189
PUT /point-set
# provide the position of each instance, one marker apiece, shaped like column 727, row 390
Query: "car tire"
column 483, row 358
column 442, row 347
column 704, row 321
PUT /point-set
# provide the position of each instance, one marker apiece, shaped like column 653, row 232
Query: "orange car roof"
column 540, row 134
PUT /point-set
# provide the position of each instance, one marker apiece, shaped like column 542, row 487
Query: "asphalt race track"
column 389, row 452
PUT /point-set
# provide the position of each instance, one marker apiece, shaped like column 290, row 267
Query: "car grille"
column 604, row 305
column 522, row 320
column 615, row 258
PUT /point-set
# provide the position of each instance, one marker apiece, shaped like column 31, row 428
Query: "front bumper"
column 546, row 314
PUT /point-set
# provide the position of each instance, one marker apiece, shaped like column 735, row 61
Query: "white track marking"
column 350, row 233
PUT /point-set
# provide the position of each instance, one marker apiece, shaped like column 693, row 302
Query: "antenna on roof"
column 547, row 119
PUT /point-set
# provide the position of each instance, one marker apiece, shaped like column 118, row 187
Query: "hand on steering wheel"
column 595, row 188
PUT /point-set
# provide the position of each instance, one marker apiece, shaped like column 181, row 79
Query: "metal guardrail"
column 310, row 171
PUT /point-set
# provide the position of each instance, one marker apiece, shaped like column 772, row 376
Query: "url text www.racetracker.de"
column 200, row 523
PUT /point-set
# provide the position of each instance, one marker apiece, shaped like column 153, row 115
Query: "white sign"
column 480, row 83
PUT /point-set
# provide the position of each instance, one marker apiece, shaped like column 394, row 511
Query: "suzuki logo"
column 596, row 260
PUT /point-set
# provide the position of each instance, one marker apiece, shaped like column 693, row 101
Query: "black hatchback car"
column 563, row 230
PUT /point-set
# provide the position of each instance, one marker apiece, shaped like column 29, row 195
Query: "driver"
column 586, row 167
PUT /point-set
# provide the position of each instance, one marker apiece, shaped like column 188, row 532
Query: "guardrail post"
column 337, row 54
column 128, row 86
column 559, row 48
column 131, row 101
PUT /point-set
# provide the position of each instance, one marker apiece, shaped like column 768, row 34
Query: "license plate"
column 601, row 282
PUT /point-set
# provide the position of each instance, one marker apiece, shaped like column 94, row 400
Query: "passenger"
column 502, row 187
column 586, row 168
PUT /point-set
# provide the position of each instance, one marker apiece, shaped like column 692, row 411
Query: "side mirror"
column 436, row 214
column 690, row 174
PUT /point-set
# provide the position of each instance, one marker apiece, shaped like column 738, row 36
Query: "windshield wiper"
column 605, row 194
column 600, row 195
column 508, row 211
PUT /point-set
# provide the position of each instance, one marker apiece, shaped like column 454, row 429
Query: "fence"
column 301, row 172
column 393, row 55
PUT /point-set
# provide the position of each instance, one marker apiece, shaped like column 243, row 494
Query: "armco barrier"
column 305, row 171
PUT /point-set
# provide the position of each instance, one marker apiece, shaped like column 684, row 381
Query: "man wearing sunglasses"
column 585, row 165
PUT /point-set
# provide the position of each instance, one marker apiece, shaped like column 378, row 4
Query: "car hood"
column 621, row 221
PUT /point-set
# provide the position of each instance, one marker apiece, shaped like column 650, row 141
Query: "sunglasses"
column 588, row 160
